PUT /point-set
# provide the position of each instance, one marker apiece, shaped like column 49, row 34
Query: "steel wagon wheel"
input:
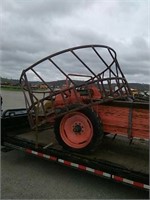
column 79, row 131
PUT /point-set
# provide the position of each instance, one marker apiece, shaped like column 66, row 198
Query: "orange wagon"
column 90, row 98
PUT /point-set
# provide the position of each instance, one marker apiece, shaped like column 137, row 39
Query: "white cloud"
column 34, row 29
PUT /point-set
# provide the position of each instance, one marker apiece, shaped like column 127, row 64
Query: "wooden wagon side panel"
column 123, row 121
column 114, row 119
column 140, row 123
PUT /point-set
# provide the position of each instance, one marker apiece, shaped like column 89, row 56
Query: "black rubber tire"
column 95, row 140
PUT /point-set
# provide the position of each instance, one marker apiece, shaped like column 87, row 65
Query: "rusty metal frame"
column 32, row 102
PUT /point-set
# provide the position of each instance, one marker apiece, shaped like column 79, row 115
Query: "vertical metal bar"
column 130, row 117
column 110, row 88
column 61, row 71
column 108, row 66
column 42, row 79
column 82, row 62
column 29, row 89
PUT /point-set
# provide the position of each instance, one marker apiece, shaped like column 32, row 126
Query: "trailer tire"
column 79, row 131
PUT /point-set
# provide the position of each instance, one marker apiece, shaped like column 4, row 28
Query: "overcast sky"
column 33, row 29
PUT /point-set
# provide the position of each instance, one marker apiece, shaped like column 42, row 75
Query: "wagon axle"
column 78, row 128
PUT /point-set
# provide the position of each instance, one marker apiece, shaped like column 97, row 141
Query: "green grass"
column 11, row 88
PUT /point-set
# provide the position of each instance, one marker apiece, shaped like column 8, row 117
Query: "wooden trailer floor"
column 118, row 151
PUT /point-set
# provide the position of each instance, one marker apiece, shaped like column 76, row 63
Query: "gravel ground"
column 27, row 177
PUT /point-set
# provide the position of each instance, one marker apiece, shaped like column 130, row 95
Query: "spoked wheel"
column 79, row 131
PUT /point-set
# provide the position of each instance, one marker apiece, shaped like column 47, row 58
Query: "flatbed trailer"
column 115, row 159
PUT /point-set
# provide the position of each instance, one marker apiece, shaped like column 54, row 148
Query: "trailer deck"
column 115, row 159
column 117, row 151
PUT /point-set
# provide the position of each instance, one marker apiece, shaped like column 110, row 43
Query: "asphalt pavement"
column 25, row 176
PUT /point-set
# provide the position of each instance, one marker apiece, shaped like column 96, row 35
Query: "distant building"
column 43, row 86
column 34, row 87
column 5, row 83
column 134, row 91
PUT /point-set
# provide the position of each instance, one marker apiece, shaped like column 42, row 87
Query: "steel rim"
column 76, row 130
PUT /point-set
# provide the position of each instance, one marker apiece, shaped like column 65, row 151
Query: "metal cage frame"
column 34, row 104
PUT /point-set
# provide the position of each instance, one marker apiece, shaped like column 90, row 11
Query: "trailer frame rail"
column 103, row 169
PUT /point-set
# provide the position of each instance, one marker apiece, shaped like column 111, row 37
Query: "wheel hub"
column 77, row 128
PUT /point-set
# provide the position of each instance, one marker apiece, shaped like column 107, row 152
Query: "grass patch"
column 11, row 88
